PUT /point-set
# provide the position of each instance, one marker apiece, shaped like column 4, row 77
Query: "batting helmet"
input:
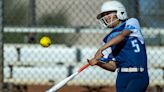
column 114, row 6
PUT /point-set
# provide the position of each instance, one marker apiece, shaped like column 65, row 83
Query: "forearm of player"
column 110, row 66
column 116, row 39
column 113, row 41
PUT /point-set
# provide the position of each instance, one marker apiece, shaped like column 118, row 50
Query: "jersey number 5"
column 136, row 46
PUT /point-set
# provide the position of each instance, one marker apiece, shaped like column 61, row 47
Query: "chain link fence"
column 76, row 35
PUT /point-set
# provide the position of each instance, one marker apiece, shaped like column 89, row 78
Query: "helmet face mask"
column 108, row 20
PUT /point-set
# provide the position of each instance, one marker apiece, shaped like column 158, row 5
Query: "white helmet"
column 114, row 6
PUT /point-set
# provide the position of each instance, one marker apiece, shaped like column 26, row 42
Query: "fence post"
column 32, row 7
column 1, row 45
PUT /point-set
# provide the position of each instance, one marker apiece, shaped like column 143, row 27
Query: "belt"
column 131, row 69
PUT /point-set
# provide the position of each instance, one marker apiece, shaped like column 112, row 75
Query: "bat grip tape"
column 84, row 67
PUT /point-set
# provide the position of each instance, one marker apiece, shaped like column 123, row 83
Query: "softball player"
column 123, row 49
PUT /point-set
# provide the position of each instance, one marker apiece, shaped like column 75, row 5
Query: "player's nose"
column 107, row 18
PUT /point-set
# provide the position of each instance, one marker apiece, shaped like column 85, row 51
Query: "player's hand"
column 92, row 61
column 98, row 54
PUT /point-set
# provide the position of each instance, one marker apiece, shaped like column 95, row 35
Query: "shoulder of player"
column 132, row 20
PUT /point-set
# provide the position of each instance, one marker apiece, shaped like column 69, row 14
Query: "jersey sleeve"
column 132, row 24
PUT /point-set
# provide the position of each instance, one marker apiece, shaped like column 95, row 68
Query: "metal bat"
column 66, row 80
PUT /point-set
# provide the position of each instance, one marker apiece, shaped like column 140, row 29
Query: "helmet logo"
column 122, row 13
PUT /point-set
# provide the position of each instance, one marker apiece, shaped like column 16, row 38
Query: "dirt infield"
column 39, row 88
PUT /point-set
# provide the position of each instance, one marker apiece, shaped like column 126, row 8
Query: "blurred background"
column 25, row 66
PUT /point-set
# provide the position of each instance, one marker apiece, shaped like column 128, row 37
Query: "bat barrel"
column 62, row 83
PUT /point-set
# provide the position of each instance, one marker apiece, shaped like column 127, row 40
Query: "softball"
column 45, row 41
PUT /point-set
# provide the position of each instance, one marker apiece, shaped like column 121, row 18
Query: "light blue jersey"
column 131, row 52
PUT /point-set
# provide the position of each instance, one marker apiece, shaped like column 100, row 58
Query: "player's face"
column 111, row 20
